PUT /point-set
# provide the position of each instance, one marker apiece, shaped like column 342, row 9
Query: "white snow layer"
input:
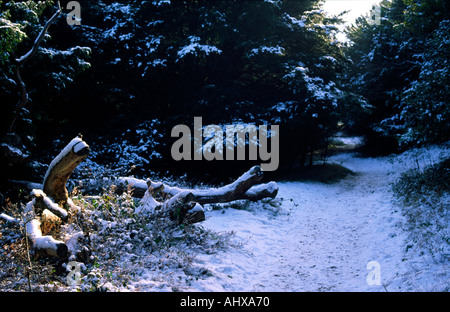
column 321, row 238
column 53, row 206
column 79, row 146
column 195, row 46
column 271, row 187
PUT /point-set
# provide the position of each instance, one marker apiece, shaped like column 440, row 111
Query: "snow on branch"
column 40, row 37
column 195, row 47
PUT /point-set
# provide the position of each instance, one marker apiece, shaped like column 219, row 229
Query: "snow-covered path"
column 321, row 240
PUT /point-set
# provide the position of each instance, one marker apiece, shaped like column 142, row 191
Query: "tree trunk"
column 230, row 192
column 185, row 205
column 62, row 167
column 245, row 187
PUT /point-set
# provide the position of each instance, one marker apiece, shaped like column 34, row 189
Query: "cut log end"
column 256, row 170
column 155, row 188
column 81, row 149
column 59, row 250
column 62, row 250
column 195, row 217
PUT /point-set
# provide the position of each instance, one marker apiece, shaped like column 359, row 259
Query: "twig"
column 29, row 267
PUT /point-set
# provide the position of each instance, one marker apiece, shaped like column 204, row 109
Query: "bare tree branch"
column 20, row 61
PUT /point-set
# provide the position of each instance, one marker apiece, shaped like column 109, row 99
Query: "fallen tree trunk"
column 227, row 193
column 245, row 187
column 185, row 205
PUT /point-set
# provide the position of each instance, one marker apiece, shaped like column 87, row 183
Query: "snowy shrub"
column 425, row 198
column 195, row 47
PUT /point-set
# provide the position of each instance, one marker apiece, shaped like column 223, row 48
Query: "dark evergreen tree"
column 32, row 73
column 390, row 62
column 259, row 62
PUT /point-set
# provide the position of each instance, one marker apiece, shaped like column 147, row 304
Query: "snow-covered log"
column 239, row 189
column 182, row 208
column 227, row 193
column 245, row 187
column 46, row 245
column 185, row 205
column 44, row 202
column 261, row 191
column 62, row 167
column 9, row 218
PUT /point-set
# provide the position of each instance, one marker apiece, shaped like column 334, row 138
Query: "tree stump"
column 62, row 167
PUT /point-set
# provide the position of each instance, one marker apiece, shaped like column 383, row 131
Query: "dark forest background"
column 134, row 69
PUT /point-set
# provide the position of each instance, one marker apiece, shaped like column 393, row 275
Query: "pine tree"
column 31, row 72
column 390, row 63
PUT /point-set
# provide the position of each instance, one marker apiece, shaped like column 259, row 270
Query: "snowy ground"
column 324, row 236
column 312, row 237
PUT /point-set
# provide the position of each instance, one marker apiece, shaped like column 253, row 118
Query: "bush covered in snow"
column 424, row 194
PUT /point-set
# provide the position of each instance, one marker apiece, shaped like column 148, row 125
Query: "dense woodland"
column 132, row 70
